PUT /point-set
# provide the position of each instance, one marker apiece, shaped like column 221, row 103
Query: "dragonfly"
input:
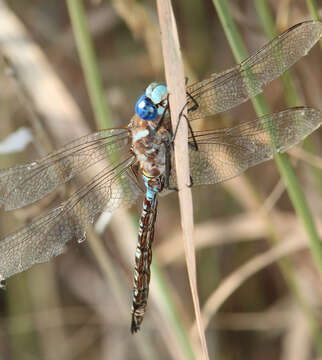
column 140, row 160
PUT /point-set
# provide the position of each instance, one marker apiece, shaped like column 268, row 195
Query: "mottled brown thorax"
column 150, row 150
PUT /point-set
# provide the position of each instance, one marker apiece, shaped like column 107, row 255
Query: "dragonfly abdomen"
column 143, row 258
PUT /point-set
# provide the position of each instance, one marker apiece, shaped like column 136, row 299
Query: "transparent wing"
column 25, row 184
column 226, row 153
column 225, row 90
column 47, row 235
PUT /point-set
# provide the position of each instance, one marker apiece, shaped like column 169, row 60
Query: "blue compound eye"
column 159, row 94
column 150, row 88
column 156, row 92
column 146, row 109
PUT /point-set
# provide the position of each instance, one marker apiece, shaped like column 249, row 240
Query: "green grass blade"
column 313, row 8
column 89, row 63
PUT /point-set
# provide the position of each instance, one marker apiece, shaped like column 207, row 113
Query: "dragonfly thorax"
column 150, row 149
column 150, row 146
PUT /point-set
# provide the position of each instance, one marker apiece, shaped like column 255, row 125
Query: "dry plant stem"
column 273, row 197
column 297, row 341
column 177, row 90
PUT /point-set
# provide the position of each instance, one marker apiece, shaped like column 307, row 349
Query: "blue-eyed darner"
column 144, row 152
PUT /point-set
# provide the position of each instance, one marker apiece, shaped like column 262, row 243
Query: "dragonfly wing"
column 224, row 91
column 25, row 184
column 46, row 236
column 224, row 154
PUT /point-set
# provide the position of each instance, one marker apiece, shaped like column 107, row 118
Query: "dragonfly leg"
column 168, row 167
column 154, row 130
column 160, row 121
column 3, row 283
column 194, row 142
column 195, row 106
column 168, row 170
column 190, row 185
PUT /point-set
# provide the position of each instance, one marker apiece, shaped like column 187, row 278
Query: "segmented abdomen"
column 143, row 258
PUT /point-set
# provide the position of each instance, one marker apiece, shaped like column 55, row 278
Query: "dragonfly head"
column 146, row 109
column 153, row 103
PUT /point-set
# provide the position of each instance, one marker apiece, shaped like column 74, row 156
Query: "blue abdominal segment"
column 150, row 191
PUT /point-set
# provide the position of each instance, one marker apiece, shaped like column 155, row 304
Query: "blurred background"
column 77, row 306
